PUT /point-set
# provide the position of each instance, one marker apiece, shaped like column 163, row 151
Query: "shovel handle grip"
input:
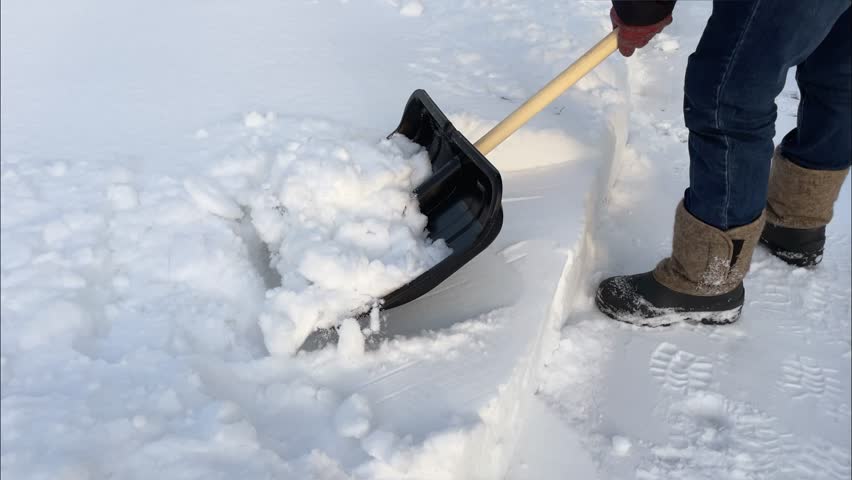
column 548, row 93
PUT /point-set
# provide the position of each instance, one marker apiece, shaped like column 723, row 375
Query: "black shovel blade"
column 461, row 199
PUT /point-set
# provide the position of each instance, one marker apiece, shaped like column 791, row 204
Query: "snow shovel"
column 461, row 199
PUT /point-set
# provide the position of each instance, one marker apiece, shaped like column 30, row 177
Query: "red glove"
column 631, row 37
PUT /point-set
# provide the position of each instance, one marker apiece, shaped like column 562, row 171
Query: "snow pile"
column 335, row 211
column 130, row 339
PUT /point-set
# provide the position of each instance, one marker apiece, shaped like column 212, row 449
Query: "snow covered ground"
column 144, row 146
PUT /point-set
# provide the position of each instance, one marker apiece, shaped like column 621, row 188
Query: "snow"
column 553, row 146
column 58, row 323
column 336, row 213
column 210, row 194
column 122, row 196
column 665, row 43
column 621, row 445
column 351, row 340
column 411, row 9
column 353, row 417
column 380, row 445
column 212, row 200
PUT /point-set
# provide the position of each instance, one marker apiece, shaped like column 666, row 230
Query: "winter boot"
column 800, row 205
column 700, row 282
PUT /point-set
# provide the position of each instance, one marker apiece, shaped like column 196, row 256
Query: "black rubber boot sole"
column 801, row 247
column 641, row 300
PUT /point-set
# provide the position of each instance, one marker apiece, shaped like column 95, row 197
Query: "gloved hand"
column 631, row 37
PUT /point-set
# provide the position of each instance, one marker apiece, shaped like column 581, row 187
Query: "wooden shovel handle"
column 546, row 95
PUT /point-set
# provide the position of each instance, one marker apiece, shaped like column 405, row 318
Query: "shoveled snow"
column 335, row 211
column 351, row 340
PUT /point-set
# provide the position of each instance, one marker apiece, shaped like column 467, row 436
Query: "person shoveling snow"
column 343, row 220
column 734, row 198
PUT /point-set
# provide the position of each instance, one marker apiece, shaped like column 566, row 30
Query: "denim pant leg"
column 732, row 79
column 822, row 139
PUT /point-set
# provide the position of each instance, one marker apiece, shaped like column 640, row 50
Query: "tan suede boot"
column 705, row 260
column 701, row 281
column 800, row 205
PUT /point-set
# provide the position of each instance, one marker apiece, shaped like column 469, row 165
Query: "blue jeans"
column 732, row 80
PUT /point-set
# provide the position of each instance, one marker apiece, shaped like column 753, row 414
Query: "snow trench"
column 498, row 442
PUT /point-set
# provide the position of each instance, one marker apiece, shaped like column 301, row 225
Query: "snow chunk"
column 666, row 43
column 668, row 46
column 375, row 320
column 256, row 120
column 140, row 422
column 212, row 199
column 621, row 445
column 351, row 340
column 411, row 9
column 705, row 405
column 353, row 417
